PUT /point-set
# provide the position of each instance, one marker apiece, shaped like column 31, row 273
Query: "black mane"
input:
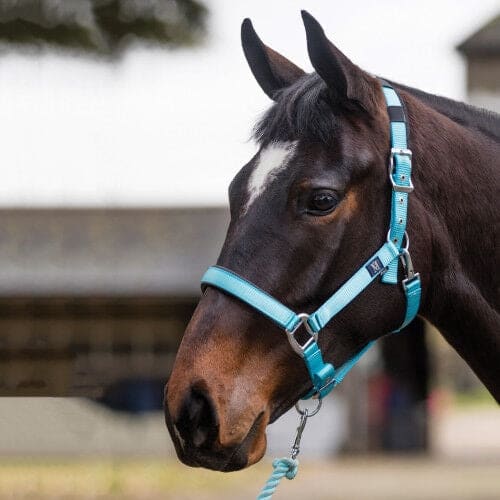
column 305, row 110
column 482, row 120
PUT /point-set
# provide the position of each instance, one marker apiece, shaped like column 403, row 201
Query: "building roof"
column 107, row 253
column 484, row 42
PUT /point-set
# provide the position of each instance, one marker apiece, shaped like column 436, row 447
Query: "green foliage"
column 104, row 27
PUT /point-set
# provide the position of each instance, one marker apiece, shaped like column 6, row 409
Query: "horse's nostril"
column 197, row 422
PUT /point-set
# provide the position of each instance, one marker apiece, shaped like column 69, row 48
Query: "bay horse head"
column 306, row 211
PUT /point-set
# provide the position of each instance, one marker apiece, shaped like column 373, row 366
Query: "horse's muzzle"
column 195, row 433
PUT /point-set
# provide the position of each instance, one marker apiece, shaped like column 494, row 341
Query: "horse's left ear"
column 348, row 83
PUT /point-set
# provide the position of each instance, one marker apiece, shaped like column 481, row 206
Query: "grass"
column 477, row 397
column 139, row 478
column 149, row 479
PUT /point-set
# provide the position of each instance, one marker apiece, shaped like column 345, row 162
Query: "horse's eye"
column 321, row 202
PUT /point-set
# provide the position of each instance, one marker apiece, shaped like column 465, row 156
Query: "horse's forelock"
column 301, row 111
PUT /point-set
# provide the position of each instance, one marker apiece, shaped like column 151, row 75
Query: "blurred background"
column 122, row 123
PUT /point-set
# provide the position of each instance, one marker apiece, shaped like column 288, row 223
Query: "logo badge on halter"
column 374, row 267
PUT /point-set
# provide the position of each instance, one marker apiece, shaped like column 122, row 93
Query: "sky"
column 171, row 127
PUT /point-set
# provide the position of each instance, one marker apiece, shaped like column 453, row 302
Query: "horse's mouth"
column 216, row 457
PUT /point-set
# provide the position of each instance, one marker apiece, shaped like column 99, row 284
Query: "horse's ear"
column 272, row 71
column 348, row 83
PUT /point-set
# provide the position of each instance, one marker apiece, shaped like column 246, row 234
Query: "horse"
column 306, row 211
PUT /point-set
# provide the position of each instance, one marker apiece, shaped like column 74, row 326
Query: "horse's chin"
column 228, row 460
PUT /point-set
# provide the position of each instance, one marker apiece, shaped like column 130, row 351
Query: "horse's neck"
column 457, row 181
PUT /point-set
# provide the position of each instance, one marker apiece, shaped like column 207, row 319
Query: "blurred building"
column 482, row 54
column 92, row 298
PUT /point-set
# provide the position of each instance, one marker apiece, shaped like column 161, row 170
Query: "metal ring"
column 298, row 348
column 405, row 237
column 305, row 411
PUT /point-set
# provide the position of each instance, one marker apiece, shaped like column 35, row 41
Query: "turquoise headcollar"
column 383, row 263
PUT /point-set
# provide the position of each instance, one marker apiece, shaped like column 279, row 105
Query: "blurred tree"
column 104, row 27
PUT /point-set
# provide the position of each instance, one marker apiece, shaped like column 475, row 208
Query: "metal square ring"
column 298, row 348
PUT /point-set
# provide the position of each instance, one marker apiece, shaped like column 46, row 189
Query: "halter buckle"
column 398, row 187
column 290, row 334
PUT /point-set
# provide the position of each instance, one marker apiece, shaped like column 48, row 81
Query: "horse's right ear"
column 272, row 71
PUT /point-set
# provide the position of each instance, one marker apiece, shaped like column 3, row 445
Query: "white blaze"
column 272, row 160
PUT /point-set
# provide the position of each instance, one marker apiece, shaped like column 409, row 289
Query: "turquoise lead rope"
column 383, row 263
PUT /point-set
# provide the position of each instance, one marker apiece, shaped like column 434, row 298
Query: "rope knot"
column 282, row 467
column 288, row 465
